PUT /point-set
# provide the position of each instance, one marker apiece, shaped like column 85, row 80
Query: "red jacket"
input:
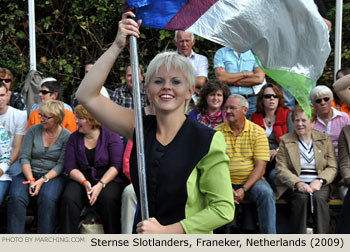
column 280, row 126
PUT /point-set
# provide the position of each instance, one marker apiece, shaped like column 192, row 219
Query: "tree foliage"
column 69, row 32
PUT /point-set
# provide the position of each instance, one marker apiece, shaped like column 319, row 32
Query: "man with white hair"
column 248, row 149
column 184, row 42
column 328, row 119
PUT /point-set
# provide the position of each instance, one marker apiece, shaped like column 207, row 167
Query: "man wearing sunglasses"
column 50, row 89
column 16, row 99
column 329, row 119
column 14, row 121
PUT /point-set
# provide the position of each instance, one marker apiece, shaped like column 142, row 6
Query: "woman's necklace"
column 54, row 135
column 269, row 122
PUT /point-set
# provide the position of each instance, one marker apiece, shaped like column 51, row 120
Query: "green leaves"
column 69, row 32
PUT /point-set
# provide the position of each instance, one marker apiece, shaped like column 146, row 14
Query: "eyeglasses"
column 5, row 80
column 325, row 99
column 45, row 92
column 268, row 96
column 45, row 117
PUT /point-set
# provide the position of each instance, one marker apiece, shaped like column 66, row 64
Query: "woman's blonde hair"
column 55, row 108
column 81, row 112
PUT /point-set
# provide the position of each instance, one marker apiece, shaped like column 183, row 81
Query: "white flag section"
column 288, row 35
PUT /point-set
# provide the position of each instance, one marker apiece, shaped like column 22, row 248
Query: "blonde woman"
column 42, row 158
column 189, row 188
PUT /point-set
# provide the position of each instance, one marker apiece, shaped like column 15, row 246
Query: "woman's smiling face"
column 168, row 90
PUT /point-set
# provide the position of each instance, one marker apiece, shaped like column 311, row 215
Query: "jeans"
column 15, row 169
column 289, row 99
column 4, row 186
column 47, row 201
column 262, row 194
column 252, row 106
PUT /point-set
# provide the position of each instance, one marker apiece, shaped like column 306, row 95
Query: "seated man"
column 123, row 95
column 241, row 73
column 14, row 122
column 248, row 150
column 184, row 42
column 51, row 90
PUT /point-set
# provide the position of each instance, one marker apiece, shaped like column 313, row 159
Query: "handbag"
column 91, row 224
column 90, row 228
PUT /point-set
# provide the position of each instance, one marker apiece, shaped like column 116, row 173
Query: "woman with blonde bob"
column 188, row 183
column 93, row 161
column 41, row 157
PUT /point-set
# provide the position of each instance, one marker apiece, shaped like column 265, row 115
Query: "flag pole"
column 338, row 36
column 32, row 47
column 139, row 128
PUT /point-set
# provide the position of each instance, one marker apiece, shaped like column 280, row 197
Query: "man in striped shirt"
column 248, row 150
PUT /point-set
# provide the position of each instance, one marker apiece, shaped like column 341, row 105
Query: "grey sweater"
column 42, row 159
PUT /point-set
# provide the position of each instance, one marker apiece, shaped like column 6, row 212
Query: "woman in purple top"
column 212, row 98
column 93, row 162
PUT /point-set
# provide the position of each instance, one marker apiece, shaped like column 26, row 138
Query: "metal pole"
column 32, row 42
column 139, row 128
column 338, row 36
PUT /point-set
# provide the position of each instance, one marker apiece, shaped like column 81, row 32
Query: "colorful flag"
column 289, row 38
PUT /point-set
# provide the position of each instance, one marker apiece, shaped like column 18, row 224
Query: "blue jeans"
column 48, row 197
column 4, row 187
column 289, row 99
column 262, row 194
column 15, row 169
column 252, row 106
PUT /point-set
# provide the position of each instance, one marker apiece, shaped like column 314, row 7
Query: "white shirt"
column 199, row 63
column 14, row 122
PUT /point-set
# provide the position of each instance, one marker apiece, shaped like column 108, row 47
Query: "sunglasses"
column 45, row 92
column 325, row 99
column 268, row 96
column 5, row 80
column 45, row 117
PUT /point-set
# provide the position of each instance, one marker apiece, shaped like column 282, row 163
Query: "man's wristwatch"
column 323, row 182
column 45, row 179
column 103, row 184
column 244, row 189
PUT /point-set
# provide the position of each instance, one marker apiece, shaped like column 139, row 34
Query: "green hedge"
column 68, row 32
